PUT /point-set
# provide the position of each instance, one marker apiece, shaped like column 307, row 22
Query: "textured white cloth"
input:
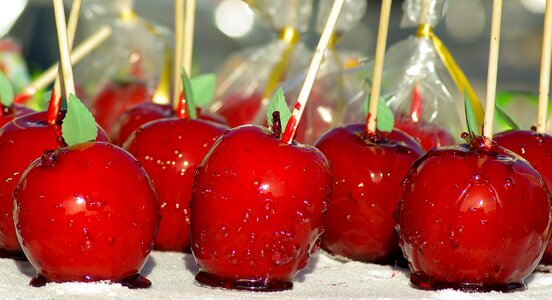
column 172, row 276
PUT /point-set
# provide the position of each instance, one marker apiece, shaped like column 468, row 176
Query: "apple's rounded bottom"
column 426, row 283
column 16, row 255
column 135, row 281
column 249, row 284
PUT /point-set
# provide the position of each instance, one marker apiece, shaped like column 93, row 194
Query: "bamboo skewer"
column 544, row 84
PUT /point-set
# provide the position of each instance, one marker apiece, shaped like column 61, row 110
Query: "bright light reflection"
column 534, row 6
column 9, row 12
column 234, row 18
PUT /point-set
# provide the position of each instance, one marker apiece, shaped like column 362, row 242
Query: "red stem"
column 53, row 108
column 182, row 109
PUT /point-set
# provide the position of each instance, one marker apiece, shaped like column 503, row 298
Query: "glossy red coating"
column 170, row 150
column 475, row 220
column 10, row 113
column 536, row 148
column 427, row 134
column 86, row 213
column 367, row 173
column 22, row 141
column 115, row 99
column 257, row 210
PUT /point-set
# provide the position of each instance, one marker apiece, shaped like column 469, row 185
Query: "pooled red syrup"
column 170, row 150
column 10, row 113
column 536, row 148
column 74, row 219
column 367, row 171
column 254, row 224
column 143, row 113
column 474, row 218
column 22, row 140
column 239, row 109
column 115, row 99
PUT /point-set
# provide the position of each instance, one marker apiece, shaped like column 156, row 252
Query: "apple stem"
column 42, row 81
column 178, row 44
column 276, row 124
column 319, row 53
column 378, row 67
column 55, row 100
column 65, row 59
column 492, row 72
column 544, row 84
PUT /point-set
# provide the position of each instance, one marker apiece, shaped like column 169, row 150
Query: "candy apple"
column 367, row 174
column 170, row 150
column 239, row 109
column 87, row 212
column 22, row 140
column 427, row 134
column 473, row 216
column 115, row 99
column 536, row 148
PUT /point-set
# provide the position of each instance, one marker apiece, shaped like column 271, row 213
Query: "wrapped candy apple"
column 127, row 68
column 249, row 77
column 421, row 81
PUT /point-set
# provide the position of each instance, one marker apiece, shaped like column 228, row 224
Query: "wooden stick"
column 378, row 66
column 71, row 31
column 64, row 56
column 299, row 107
column 178, row 44
column 493, row 69
column 188, row 46
column 89, row 45
column 424, row 12
column 544, row 85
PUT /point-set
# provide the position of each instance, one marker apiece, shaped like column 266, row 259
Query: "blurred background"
column 224, row 26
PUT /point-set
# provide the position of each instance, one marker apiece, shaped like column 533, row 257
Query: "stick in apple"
column 378, row 67
column 544, row 84
column 299, row 107
column 178, row 44
column 492, row 71
column 55, row 99
column 183, row 109
column 65, row 59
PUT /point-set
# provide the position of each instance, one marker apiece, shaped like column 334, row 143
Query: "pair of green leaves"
column 198, row 91
column 473, row 129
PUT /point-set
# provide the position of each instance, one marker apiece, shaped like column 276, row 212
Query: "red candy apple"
column 135, row 117
column 473, row 217
column 536, row 148
column 86, row 213
column 21, row 142
column 170, row 150
column 254, row 222
column 427, row 134
column 239, row 109
column 115, row 99
column 367, row 175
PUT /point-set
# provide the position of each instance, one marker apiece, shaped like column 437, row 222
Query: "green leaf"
column 6, row 90
column 78, row 125
column 278, row 103
column 204, row 88
column 189, row 95
column 506, row 117
column 385, row 119
column 470, row 117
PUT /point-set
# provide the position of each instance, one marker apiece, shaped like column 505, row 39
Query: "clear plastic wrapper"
column 249, row 77
column 421, row 83
column 127, row 68
column 12, row 64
